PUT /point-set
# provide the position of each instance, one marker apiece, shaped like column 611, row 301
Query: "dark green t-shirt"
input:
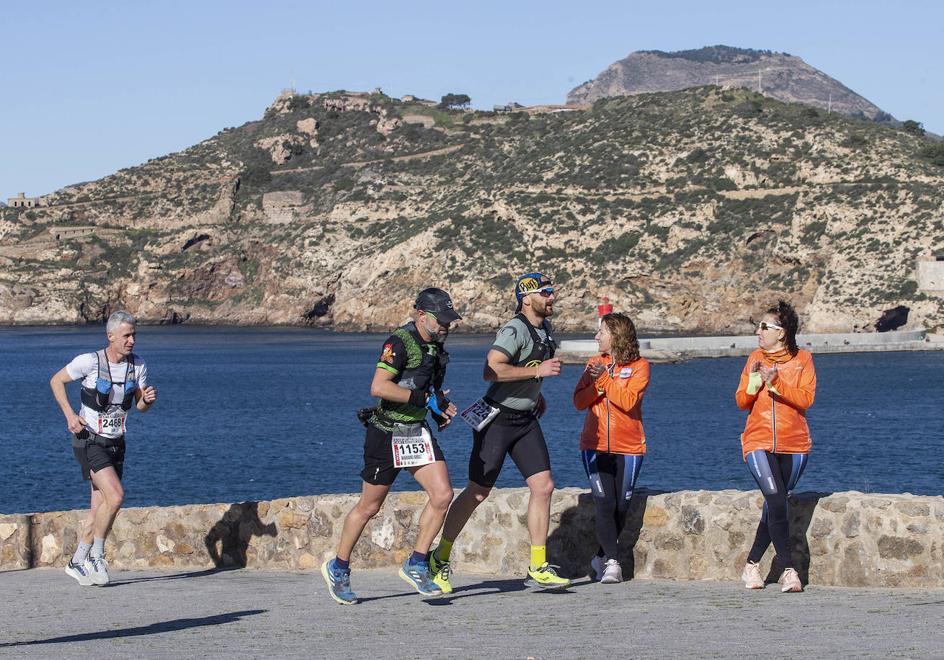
column 402, row 352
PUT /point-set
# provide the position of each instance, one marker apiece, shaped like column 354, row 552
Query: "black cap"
column 438, row 303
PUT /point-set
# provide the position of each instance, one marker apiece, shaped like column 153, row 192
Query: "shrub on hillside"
column 934, row 153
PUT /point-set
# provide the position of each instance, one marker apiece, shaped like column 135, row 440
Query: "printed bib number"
column 412, row 447
column 111, row 424
column 479, row 414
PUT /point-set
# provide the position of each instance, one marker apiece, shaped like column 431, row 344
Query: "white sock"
column 98, row 547
column 81, row 553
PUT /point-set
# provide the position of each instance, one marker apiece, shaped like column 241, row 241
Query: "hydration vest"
column 541, row 349
column 98, row 398
column 425, row 369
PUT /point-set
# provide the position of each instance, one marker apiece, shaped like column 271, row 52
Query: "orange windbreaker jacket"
column 614, row 417
column 777, row 420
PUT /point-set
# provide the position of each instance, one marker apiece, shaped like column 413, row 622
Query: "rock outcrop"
column 777, row 75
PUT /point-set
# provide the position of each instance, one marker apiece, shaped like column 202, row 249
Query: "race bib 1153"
column 412, row 448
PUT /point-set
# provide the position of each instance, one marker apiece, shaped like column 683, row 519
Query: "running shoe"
column 440, row 571
column 790, row 581
column 79, row 572
column 751, row 576
column 612, row 572
column 417, row 576
column 97, row 569
column 546, row 577
column 339, row 583
column 596, row 567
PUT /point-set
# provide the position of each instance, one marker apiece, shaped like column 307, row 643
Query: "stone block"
column 655, row 516
column 821, row 528
column 691, row 520
column 896, row 547
column 669, row 541
column 918, row 509
column 289, row 519
column 7, row 530
column 835, row 504
column 850, row 525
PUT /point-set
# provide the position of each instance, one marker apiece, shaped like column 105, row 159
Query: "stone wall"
column 850, row 539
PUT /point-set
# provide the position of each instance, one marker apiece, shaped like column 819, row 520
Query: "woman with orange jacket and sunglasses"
column 613, row 443
column 777, row 385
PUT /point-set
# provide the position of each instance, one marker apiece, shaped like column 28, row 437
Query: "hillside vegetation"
column 689, row 209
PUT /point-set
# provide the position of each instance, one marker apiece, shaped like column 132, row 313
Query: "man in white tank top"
column 113, row 379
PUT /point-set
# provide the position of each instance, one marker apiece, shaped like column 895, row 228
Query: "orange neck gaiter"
column 779, row 357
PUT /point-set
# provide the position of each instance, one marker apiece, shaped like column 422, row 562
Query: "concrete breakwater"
column 845, row 539
column 674, row 349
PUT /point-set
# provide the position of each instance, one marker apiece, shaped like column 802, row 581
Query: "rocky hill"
column 689, row 209
column 777, row 75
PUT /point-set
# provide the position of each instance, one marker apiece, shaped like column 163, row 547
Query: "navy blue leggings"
column 612, row 481
column 777, row 475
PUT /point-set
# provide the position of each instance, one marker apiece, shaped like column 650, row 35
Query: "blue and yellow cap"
column 529, row 283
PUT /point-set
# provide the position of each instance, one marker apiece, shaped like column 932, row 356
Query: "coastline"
column 679, row 349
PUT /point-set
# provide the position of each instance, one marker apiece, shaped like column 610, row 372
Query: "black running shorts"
column 378, row 457
column 99, row 452
column 518, row 434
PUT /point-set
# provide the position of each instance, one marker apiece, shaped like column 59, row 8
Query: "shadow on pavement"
column 802, row 507
column 138, row 631
column 573, row 543
column 478, row 589
column 466, row 591
column 172, row 576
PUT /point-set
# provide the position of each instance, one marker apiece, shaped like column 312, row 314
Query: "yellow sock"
column 538, row 556
column 444, row 548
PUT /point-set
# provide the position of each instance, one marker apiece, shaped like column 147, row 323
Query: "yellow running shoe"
column 439, row 569
column 546, row 577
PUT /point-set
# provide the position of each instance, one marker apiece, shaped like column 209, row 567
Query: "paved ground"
column 243, row 614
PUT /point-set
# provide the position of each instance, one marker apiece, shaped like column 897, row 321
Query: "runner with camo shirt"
column 408, row 380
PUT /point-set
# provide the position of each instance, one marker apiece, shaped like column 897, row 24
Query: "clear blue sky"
column 87, row 88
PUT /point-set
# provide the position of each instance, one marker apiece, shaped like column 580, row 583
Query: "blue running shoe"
column 339, row 583
column 417, row 576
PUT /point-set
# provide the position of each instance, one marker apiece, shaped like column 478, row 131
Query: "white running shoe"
column 751, row 576
column 97, row 569
column 80, row 573
column 596, row 568
column 612, row 572
column 790, row 581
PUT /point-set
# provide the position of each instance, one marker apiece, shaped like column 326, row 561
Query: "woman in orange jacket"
column 777, row 385
column 613, row 442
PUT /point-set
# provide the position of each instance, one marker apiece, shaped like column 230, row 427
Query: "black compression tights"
column 612, row 481
column 777, row 475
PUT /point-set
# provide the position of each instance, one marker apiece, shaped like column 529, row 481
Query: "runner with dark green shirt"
column 408, row 381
